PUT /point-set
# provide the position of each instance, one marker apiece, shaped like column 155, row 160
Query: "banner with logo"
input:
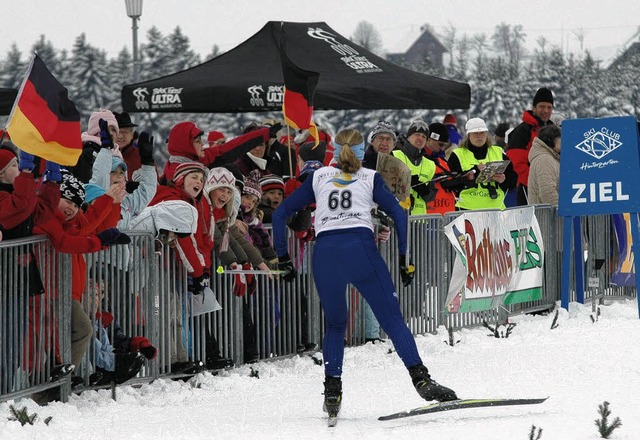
column 499, row 259
column 599, row 166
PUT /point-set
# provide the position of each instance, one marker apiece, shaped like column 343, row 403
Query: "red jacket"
column 520, row 140
column 181, row 145
column 62, row 237
column 21, row 201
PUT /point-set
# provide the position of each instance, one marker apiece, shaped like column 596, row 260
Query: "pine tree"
column 13, row 69
column 88, row 77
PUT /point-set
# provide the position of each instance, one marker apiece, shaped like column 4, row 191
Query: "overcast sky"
column 229, row 22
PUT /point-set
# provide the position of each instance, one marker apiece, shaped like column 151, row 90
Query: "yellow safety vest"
column 478, row 197
column 425, row 172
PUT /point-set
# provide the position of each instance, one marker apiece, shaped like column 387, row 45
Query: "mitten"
column 143, row 345
column 252, row 283
column 106, row 141
column 113, row 236
column 274, row 129
column 145, row 148
column 52, row 172
column 286, row 266
column 290, row 186
column 105, row 317
column 239, row 282
column 26, row 161
column 407, row 271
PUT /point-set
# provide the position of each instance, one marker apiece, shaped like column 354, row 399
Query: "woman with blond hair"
column 346, row 253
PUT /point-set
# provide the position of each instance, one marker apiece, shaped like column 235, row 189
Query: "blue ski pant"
column 351, row 256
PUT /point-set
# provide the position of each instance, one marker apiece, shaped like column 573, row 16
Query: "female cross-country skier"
column 345, row 252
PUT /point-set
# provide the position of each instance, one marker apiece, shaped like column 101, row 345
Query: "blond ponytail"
column 347, row 161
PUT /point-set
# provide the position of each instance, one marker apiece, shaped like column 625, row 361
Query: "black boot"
column 428, row 388
column 128, row 366
column 332, row 395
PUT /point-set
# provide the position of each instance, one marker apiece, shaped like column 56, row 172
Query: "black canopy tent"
column 7, row 98
column 248, row 78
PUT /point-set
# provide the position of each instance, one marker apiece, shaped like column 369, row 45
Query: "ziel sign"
column 599, row 167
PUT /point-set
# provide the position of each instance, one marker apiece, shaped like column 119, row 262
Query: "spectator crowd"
column 212, row 198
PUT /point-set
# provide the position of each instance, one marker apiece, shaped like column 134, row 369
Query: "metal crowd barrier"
column 144, row 287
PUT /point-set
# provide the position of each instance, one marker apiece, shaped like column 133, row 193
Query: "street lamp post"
column 134, row 10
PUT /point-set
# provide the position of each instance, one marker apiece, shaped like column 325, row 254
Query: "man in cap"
column 522, row 136
column 438, row 142
column 125, row 140
column 382, row 139
column 422, row 169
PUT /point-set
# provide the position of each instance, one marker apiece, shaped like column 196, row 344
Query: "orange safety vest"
column 445, row 201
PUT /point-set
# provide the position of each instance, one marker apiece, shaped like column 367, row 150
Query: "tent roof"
column 7, row 97
column 248, row 78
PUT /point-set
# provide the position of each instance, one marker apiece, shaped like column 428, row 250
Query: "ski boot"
column 428, row 388
column 332, row 395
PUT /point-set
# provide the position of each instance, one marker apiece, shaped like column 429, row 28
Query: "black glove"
column 106, row 141
column 285, row 265
column 196, row 285
column 145, row 148
column 407, row 271
column 425, row 191
column 113, row 236
column 274, row 129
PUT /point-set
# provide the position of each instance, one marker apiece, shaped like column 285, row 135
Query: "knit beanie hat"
column 221, row 177
column 438, row 132
column 501, row 129
column 214, row 136
column 251, row 187
column 185, row 168
column 72, row 189
column 383, row 127
column 6, row 158
column 450, row 119
column 543, row 95
column 309, row 151
column 218, row 177
column 271, row 181
column 92, row 192
column 93, row 127
column 118, row 162
column 418, row 126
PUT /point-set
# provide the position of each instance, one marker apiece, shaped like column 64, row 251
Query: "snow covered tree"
column 88, row 76
column 368, row 37
column 12, row 71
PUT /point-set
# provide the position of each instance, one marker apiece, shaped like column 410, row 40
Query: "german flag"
column 299, row 87
column 44, row 121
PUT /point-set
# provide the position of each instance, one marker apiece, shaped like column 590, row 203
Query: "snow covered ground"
column 579, row 364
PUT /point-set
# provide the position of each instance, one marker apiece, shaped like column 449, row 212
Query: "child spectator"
column 272, row 187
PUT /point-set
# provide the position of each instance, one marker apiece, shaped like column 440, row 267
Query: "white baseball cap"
column 475, row 125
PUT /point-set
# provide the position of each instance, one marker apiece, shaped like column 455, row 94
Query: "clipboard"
column 491, row 168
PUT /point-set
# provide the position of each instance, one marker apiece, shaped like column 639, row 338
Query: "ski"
column 460, row 404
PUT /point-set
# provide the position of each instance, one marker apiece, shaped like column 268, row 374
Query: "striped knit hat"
column 271, row 181
column 183, row 169
column 251, row 187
